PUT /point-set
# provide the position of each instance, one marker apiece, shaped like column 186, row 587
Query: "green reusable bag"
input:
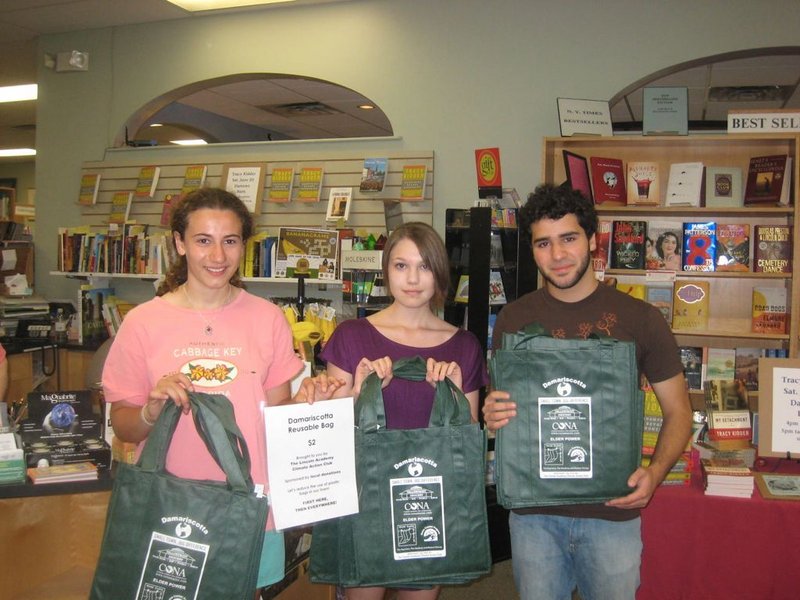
column 577, row 436
column 422, row 504
column 168, row 537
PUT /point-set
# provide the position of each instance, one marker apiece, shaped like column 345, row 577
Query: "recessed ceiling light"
column 366, row 106
column 156, row 125
column 5, row 152
column 195, row 142
column 18, row 93
column 198, row 5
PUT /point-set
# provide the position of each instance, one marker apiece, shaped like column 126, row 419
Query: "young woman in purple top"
column 416, row 269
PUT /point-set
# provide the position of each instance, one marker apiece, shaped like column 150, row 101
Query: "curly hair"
column 550, row 201
column 431, row 249
column 207, row 197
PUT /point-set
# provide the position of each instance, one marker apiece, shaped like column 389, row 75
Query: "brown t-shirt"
column 608, row 312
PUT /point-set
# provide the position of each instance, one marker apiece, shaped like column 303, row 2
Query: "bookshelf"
column 730, row 292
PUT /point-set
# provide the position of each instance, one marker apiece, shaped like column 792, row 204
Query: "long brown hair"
column 431, row 249
column 206, row 197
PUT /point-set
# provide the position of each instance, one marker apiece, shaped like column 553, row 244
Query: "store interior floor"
column 498, row 585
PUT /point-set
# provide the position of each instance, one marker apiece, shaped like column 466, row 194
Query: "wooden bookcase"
column 730, row 292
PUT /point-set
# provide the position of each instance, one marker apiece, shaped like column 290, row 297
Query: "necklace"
column 208, row 329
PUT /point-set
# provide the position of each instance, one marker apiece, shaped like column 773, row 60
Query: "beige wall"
column 452, row 75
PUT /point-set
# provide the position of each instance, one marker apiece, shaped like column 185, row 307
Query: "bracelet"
column 144, row 418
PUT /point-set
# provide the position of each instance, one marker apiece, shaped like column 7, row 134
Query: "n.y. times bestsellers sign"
column 774, row 121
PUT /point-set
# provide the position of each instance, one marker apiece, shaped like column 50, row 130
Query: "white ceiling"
column 242, row 104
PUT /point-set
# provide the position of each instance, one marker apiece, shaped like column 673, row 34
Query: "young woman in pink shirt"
column 204, row 332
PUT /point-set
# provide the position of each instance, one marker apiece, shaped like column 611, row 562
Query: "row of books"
column 126, row 248
column 681, row 471
column 610, row 181
column 727, row 477
column 705, row 364
column 100, row 313
column 686, row 304
column 281, row 186
column 693, row 246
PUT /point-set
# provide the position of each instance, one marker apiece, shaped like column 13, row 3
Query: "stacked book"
column 681, row 471
column 727, row 477
column 724, row 450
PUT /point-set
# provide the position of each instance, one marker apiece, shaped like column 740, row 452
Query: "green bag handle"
column 450, row 405
column 215, row 423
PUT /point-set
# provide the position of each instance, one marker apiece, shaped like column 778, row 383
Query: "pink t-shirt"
column 249, row 352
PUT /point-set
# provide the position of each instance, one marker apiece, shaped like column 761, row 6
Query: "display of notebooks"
column 664, row 245
column 643, row 183
column 685, row 184
column 770, row 310
column 772, row 248
column 733, row 247
column 602, row 237
column 628, row 244
column 608, row 181
column 690, row 305
column 768, row 180
column 724, row 187
column 699, row 246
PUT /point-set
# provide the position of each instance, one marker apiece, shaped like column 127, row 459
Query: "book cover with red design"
column 602, row 239
column 628, row 244
column 608, row 181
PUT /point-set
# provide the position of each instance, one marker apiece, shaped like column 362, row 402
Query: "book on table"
column 78, row 471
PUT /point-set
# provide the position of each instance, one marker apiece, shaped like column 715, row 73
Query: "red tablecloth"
column 711, row 547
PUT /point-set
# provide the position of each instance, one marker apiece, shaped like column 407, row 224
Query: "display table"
column 711, row 547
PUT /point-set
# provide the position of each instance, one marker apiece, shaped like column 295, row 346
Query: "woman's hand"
column 438, row 370
column 173, row 386
column 320, row 387
column 382, row 367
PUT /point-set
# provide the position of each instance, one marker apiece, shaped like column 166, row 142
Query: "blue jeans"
column 551, row 555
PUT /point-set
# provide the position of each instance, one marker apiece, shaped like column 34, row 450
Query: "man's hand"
column 498, row 410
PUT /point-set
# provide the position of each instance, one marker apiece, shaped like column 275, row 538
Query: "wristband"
column 144, row 418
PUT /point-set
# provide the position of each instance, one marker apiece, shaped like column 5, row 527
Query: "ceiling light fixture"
column 19, row 93
column 366, row 106
column 156, row 124
column 195, row 142
column 200, row 5
column 8, row 152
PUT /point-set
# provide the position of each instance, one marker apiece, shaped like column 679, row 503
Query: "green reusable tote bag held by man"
column 422, row 504
column 577, row 435
column 168, row 537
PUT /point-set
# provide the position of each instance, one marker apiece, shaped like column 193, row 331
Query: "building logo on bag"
column 564, row 412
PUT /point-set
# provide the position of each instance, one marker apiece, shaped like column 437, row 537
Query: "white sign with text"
column 311, row 461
